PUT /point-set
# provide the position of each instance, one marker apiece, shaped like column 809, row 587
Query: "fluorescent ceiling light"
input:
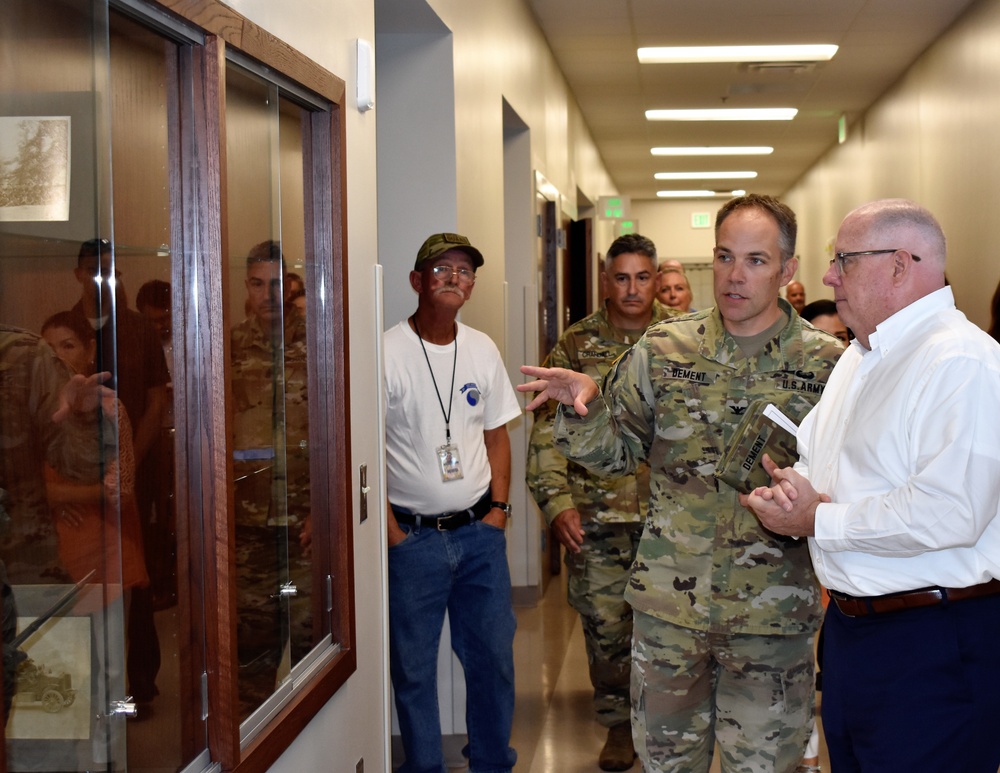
column 685, row 194
column 693, row 54
column 739, row 193
column 704, row 175
column 725, row 114
column 749, row 150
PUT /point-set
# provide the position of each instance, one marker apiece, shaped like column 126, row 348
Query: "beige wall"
column 352, row 725
column 932, row 138
column 501, row 54
column 668, row 224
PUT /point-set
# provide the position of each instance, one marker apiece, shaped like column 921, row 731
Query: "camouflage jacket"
column 31, row 379
column 675, row 399
column 589, row 346
column 271, row 424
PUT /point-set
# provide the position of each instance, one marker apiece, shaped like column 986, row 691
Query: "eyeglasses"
column 841, row 259
column 465, row 276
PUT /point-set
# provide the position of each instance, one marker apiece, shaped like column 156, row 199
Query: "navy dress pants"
column 916, row 690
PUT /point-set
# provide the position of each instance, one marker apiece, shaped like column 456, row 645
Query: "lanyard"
column 451, row 393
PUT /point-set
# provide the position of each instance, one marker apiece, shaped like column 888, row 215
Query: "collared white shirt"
column 906, row 441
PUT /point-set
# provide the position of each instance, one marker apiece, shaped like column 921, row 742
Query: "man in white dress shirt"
column 898, row 490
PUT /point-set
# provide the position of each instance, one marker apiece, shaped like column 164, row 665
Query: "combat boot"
column 618, row 752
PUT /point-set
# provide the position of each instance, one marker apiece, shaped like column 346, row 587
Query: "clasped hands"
column 788, row 506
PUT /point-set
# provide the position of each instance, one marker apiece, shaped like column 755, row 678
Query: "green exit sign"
column 613, row 208
column 623, row 227
column 701, row 220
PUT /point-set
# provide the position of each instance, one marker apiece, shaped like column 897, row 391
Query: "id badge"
column 451, row 464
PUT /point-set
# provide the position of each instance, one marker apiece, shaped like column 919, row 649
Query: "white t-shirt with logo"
column 482, row 399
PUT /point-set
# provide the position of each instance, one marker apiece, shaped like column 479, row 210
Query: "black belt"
column 444, row 521
column 860, row 606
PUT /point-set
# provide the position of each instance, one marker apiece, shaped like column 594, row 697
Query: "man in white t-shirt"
column 448, row 402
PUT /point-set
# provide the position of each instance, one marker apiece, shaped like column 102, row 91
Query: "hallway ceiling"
column 595, row 43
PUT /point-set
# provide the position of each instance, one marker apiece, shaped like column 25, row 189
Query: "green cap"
column 438, row 244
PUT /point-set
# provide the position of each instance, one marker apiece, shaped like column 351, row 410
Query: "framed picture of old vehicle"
column 65, row 675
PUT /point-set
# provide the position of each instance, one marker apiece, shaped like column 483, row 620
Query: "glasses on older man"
column 844, row 259
column 465, row 275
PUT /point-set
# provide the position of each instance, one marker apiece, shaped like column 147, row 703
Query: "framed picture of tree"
column 47, row 161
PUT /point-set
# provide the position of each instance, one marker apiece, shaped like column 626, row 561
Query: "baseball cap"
column 438, row 244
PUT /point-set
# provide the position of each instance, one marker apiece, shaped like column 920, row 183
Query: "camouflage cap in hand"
column 438, row 244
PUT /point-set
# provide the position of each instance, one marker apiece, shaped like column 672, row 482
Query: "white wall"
column 416, row 154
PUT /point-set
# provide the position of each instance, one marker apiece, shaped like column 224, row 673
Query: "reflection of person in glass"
column 154, row 302
column 95, row 517
column 271, row 468
column 46, row 417
column 96, row 520
column 128, row 347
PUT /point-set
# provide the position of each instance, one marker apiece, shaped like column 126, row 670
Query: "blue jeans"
column 465, row 572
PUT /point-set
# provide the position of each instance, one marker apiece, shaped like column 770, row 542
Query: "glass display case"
column 174, row 501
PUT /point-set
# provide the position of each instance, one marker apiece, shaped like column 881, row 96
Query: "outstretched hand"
column 565, row 386
column 82, row 394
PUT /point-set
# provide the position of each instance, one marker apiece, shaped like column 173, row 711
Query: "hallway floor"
column 554, row 728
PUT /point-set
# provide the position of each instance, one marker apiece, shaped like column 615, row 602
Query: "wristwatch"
column 505, row 506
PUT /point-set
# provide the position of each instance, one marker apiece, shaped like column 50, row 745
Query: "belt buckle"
column 839, row 597
column 443, row 520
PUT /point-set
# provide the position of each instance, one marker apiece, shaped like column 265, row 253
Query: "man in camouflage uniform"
column 599, row 520
column 724, row 611
column 271, row 467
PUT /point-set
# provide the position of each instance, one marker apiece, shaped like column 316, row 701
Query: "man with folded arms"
column 898, row 490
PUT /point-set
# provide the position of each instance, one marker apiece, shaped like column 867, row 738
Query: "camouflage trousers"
column 273, row 632
column 754, row 695
column 598, row 575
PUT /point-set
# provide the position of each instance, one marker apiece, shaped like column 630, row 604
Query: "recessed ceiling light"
column 693, row 54
column 685, row 194
column 725, row 114
column 705, row 175
column 720, row 150
column 750, row 150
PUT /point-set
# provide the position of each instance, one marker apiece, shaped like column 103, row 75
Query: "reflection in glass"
column 85, row 543
column 269, row 390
